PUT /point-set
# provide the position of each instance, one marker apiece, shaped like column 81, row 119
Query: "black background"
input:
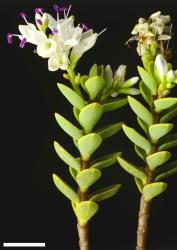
column 33, row 209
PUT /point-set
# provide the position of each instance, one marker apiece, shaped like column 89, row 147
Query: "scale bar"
column 5, row 244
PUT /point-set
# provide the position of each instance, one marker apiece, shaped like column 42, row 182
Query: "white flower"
column 64, row 46
column 45, row 46
column 155, row 28
column 68, row 34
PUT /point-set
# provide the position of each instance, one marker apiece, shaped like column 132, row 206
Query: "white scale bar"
column 24, row 244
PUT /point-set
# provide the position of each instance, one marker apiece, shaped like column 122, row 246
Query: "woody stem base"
column 83, row 232
column 143, row 220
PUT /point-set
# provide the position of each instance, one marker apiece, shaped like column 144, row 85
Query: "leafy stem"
column 72, row 76
column 144, row 211
column 83, row 230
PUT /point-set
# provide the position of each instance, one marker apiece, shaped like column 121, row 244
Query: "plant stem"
column 83, row 230
column 143, row 218
column 145, row 206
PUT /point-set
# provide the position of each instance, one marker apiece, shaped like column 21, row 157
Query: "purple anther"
column 22, row 43
column 9, row 38
column 39, row 10
column 56, row 8
column 55, row 31
column 62, row 9
column 23, row 15
column 84, row 26
column 39, row 21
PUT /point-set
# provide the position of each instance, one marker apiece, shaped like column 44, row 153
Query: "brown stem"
column 83, row 231
column 143, row 218
column 144, row 211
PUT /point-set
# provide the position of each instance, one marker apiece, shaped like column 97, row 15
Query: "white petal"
column 155, row 15
column 161, row 65
column 87, row 34
column 164, row 37
column 69, row 35
column 53, row 63
column 57, row 61
column 64, row 63
column 46, row 49
column 84, row 45
column 166, row 19
column 32, row 35
column 75, row 39
column 52, row 22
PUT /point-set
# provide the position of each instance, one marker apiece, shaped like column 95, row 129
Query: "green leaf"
column 90, row 115
column 76, row 113
column 73, row 172
column 140, row 110
column 168, row 141
column 152, row 190
column 105, row 193
column 170, row 115
column 87, row 177
column 148, row 80
column 151, row 66
column 157, row 159
column 157, row 131
column 140, row 152
column 139, row 184
column 66, row 157
column 68, row 127
column 143, row 125
column 65, row 189
column 105, row 161
column 146, row 93
column 93, row 71
column 83, row 80
column 132, row 169
column 88, row 144
column 166, row 170
column 75, row 99
column 130, row 82
column 129, row 91
column 110, row 130
column 112, row 105
column 164, row 103
column 137, row 139
column 94, row 85
column 85, row 211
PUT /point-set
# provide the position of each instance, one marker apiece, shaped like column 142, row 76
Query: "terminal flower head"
column 156, row 28
column 63, row 45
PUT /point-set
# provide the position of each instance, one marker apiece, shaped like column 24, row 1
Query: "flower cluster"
column 65, row 43
column 156, row 29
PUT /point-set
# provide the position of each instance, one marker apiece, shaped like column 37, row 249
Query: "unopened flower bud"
column 170, row 76
column 161, row 66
